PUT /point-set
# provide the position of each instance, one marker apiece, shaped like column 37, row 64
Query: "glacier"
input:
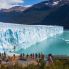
column 23, row 36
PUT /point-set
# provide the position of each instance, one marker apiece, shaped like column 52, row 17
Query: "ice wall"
column 24, row 36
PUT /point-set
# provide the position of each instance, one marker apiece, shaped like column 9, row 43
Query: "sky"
column 5, row 4
column 31, row 2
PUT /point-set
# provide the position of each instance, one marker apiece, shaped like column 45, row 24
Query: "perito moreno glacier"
column 24, row 36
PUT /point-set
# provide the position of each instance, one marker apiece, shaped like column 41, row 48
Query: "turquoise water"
column 57, row 45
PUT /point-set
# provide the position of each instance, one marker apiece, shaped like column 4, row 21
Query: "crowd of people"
column 32, row 56
column 24, row 57
column 47, row 61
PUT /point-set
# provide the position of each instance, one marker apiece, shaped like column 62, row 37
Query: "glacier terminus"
column 24, row 36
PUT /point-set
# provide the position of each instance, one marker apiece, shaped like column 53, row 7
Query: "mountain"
column 42, row 13
column 16, row 8
column 58, row 17
column 31, row 15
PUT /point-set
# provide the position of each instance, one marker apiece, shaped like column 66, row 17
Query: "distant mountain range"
column 44, row 13
column 15, row 9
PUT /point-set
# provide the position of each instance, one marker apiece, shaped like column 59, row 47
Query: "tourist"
column 0, row 61
column 36, row 55
column 23, row 55
column 20, row 56
column 50, row 58
column 39, row 55
column 27, row 56
column 42, row 56
column 33, row 56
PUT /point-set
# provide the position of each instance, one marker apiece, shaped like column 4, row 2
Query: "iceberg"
column 23, row 36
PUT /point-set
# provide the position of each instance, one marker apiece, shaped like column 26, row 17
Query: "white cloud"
column 9, row 3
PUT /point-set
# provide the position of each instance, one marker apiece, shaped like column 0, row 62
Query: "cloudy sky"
column 10, row 3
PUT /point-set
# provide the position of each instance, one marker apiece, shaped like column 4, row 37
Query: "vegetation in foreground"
column 57, row 64
column 50, row 63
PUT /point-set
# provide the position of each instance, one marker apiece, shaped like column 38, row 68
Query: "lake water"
column 57, row 45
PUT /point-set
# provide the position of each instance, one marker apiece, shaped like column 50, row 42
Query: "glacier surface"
column 24, row 36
